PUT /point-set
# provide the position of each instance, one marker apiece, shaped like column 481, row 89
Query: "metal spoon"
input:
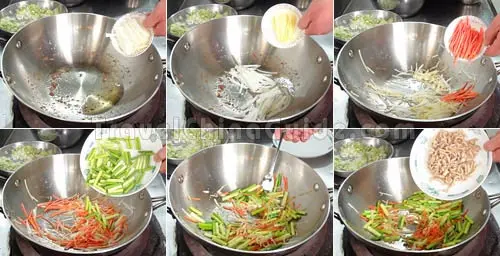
column 268, row 182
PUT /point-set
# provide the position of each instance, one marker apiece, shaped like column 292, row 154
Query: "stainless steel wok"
column 390, row 179
column 204, row 53
column 401, row 46
column 60, row 175
column 65, row 67
column 6, row 151
column 239, row 165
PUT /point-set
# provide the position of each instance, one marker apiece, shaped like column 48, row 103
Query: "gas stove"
column 180, row 243
column 151, row 243
column 182, row 114
column 485, row 243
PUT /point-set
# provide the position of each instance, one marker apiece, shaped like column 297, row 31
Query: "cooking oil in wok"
column 101, row 102
column 88, row 90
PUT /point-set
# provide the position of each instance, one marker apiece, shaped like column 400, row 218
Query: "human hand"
column 160, row 156
column 318, row 19
column 493, row 145
column 492, row 38
column 157, row 19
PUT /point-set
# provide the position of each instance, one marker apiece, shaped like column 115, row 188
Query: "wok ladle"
column 268, row 182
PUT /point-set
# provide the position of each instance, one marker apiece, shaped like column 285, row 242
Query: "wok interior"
column 218, row 45
column 238, row 166
column 70, row 57
column 60, row 175
column 402, row 46
column 391, row 179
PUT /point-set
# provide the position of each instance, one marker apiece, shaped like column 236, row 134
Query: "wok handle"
column 171, row 213
column 337, row 216
column 494, row 200
column 158, row 202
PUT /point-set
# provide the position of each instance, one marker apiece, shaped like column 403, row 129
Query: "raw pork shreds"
column 452, row 157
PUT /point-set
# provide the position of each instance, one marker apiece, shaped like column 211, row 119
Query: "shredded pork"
column 452, row 157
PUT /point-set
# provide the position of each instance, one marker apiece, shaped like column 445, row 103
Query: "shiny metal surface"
column 181, row 15
column 236, row 4
column 6, row 151
column 224, row 136
column 374, row 142
column 11, row 10
column 393, row 136
column 405, row 8
column 346, row 19
column 69, row 56
column 402, row 46
column 470, row 1
column 238, row 165
column 432, row 11
column 60, row 175
column 391, row 179
column 216, row 46
column 64, row 138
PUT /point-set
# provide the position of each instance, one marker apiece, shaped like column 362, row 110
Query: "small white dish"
column 267, row 25
column 432, row 187
column 319, row 144
column 476, row 23
column 117, row 44
column 150, row 140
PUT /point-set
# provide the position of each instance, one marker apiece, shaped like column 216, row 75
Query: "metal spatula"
column 268, row 182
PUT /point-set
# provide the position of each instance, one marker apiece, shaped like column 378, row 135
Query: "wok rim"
column 280, row 250
column 361, row 12
column 383, row 245
column 23, row 143
column 81, row 121
column 268, row 121
column 195, row 7
column 356, row 101
column 73, row 251
column 348, row 173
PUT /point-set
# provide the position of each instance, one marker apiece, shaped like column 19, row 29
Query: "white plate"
column 267, row 25
column 150, row 140
column 421, row 174
column 320, row 144
column 475, row 22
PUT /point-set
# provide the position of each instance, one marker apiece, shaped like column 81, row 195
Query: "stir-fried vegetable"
column 438, row 223
column 359, row 24
column 76, row 222
column 434, row 98
column 117, row 165
column 183, row 143
column 25, row 15
column 256, row 220
column 253, row 93
column 21, row 155
column 352, row 156
column 194, row 18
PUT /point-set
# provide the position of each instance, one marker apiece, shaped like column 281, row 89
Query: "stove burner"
column 483, row 117
column 153, row 113
column 150, row 243
column 485, row 243
column 319, row 245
